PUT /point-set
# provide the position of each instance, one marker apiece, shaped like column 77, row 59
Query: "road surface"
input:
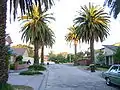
column 65, row 77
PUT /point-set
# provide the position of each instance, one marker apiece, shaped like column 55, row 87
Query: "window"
column 114, row 69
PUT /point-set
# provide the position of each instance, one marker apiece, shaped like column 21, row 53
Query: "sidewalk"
column 34, row 81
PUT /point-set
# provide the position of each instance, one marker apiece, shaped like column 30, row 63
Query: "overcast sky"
column 64, row 12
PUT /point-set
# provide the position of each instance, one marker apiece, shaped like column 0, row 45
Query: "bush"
column 37, row 67
column 30, row 72
column 19, row 58
column 22, row 62
column 5, row 86
column 12, row 66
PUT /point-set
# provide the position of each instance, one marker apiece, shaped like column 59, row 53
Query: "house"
column 20, row 51
column 109, row 51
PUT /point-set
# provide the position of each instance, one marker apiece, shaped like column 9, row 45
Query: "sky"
column 64, row 12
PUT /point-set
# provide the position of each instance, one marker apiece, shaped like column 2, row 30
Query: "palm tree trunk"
column 3, row 50
column 75, row 47
column 42, row 54
column 36, row 56
column 92, row 49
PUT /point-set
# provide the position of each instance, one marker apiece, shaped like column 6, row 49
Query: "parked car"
column 112, row 76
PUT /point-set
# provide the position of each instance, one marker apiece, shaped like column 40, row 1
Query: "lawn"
column 98, row 68
column 22, row 87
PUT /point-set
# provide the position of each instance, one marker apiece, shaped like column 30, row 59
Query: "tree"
column 92, row 25
column 25, row 5
column 36, row 31
column 100, row 57
column 116, row 56
column 114, row 5
column 72, row 37
column 29, row 49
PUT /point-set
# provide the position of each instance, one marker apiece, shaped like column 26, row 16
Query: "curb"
column 43, row 83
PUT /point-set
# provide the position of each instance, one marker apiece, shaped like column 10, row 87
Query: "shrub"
column 37, row 67
column 22, row 62
column 5, row 86
column 12, row 66
column 19, row 58
column 30, row 72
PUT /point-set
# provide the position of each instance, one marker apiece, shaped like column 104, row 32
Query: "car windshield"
column 114, row 69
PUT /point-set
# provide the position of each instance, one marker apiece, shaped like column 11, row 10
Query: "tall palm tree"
column 114, row 5
column 72, row 37
column 35, row 28
column 49, row 40
column 25, row 5
column 92, row 25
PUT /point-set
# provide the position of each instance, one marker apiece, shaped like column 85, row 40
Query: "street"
column 65, row 77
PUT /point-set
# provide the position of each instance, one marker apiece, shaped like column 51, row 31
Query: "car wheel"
column 108, row 82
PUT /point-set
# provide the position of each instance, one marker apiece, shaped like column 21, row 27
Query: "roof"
column 19, row 51
column 111, row 47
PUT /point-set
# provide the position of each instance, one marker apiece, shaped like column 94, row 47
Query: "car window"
column 119, row 69
column 114, row 69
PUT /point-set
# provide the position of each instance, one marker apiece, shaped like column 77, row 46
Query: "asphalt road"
column 65, row 77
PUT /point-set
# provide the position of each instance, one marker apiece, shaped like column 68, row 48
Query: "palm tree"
column 49, row 40
column 114, row 5
column 35, row 28
column 25, row 5
column 92, row 25
column 3, row 50
column 72, row 37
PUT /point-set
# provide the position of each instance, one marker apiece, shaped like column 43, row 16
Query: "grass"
column 37, row 67
column 22, row 87
column 7, row 86
column 98, row 68
column 102, row 69
column 83, row 67
column 30, row 72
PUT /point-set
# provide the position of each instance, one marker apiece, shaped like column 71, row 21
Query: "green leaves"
column 114, row 6
column 92, row 22
column 26, row 6
column 116, row 56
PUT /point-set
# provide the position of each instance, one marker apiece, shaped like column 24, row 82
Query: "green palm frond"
column 26, row 5
column 114, row 6
column 92, row 22
column 71, row 36
column 35, row 28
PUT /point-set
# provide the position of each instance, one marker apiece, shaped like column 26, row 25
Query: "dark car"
column 112, row 76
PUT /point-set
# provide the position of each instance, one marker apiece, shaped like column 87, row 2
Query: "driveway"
column 65, row 77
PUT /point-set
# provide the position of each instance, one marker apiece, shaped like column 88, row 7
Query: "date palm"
column 49, row 40
column 72, row 37
column 35, row 28
column 92, row 25
column 25, row 6
column 114, row 5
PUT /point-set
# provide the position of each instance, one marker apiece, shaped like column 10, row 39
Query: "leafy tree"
column 72, row 37
column 100, row 57
column 19, row 58
column 29, row 49
column 114, row 5
column 36, row 31
column 116, row 56
column 92, row 25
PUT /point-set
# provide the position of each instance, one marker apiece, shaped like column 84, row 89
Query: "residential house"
column 109, row 51
column 20, row 51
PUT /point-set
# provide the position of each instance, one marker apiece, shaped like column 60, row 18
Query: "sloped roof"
column 111, row 47
column 18, row 51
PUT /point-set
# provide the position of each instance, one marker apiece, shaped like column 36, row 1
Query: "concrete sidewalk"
column 34, row 81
